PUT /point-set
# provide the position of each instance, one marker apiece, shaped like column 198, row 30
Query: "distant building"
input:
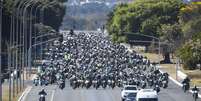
column 187, row 1
column 107, row 2
column 195, row 0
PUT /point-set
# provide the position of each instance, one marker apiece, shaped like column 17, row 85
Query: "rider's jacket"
column 42, row 93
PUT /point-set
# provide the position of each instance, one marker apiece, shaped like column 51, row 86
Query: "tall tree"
column 144, row 17
column 190, row 21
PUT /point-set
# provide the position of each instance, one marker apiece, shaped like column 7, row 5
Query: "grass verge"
column 195, row 75
column 5, row 94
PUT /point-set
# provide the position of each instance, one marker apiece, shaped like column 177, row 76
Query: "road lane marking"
column 25, row 93
column 52, row 96
column 178, row 83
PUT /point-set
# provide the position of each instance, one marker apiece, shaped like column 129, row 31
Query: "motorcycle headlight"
column 128, row 99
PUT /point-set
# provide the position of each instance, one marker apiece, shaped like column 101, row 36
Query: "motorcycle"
column 95, row 84
column 74, row 84
column 42, row 95
column 119, row 83
column 157, row 88
column 111, row 83
column 185, row 87
column 87, row 84
column 62, row 84
column 42, row 98
column 195, row 95
column 104, row 84
column 36, row 82
column 150, row 82
column 164, row 84
column 143, row 84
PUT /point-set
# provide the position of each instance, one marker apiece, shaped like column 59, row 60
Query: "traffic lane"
column 174, row 93
column 82, row 94
column 33, row 94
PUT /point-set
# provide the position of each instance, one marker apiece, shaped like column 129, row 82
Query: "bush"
column 190, row 53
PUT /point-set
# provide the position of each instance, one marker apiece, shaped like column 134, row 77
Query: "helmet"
column 195, row 86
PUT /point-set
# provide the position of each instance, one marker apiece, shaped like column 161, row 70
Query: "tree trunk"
column 166, row 58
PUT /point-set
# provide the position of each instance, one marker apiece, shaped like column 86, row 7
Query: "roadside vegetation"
column 175, row 23
column 53, row 17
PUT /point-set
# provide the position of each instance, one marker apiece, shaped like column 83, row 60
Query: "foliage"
column 171, row 36
column 190, row 21
column 53, row 17
column 190, row 53
column 42, row 29
column 7, row 6
column 143, row 16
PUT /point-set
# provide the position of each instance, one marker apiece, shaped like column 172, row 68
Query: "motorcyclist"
column 42, row 94
column 195, row 92
column 157, row 88
column 71, row 32
column 195, row 88
column 186, row 80
column 186, row 84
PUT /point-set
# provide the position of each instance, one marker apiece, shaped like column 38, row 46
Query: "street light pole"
column 35, row 31
column 36, row 44
column 159, row 44
column 11, row 42
column 19, row 4
column 1, row 7
column 19, row 14
column 42, row 20
column 24, row 14
column 18, row 31
column 30, row 34
column 39, row 10
column 30, row 37
column 17, row 67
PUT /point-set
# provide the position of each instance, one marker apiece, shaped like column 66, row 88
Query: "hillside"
column 87, row 14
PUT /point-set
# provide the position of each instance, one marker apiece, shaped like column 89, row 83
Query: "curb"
column 175, row 81
column 25, row 93
column 178, row 83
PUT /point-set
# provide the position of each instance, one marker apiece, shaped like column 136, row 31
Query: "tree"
column 171, row 36
column 53, row 17
column 190, row 53
column 190, row 21
column 144, row 17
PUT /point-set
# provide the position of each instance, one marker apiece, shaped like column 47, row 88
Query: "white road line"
column 179, row 84
column 52, row 97
column 25, row 93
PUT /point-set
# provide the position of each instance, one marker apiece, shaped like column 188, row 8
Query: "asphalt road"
column 172, row 93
